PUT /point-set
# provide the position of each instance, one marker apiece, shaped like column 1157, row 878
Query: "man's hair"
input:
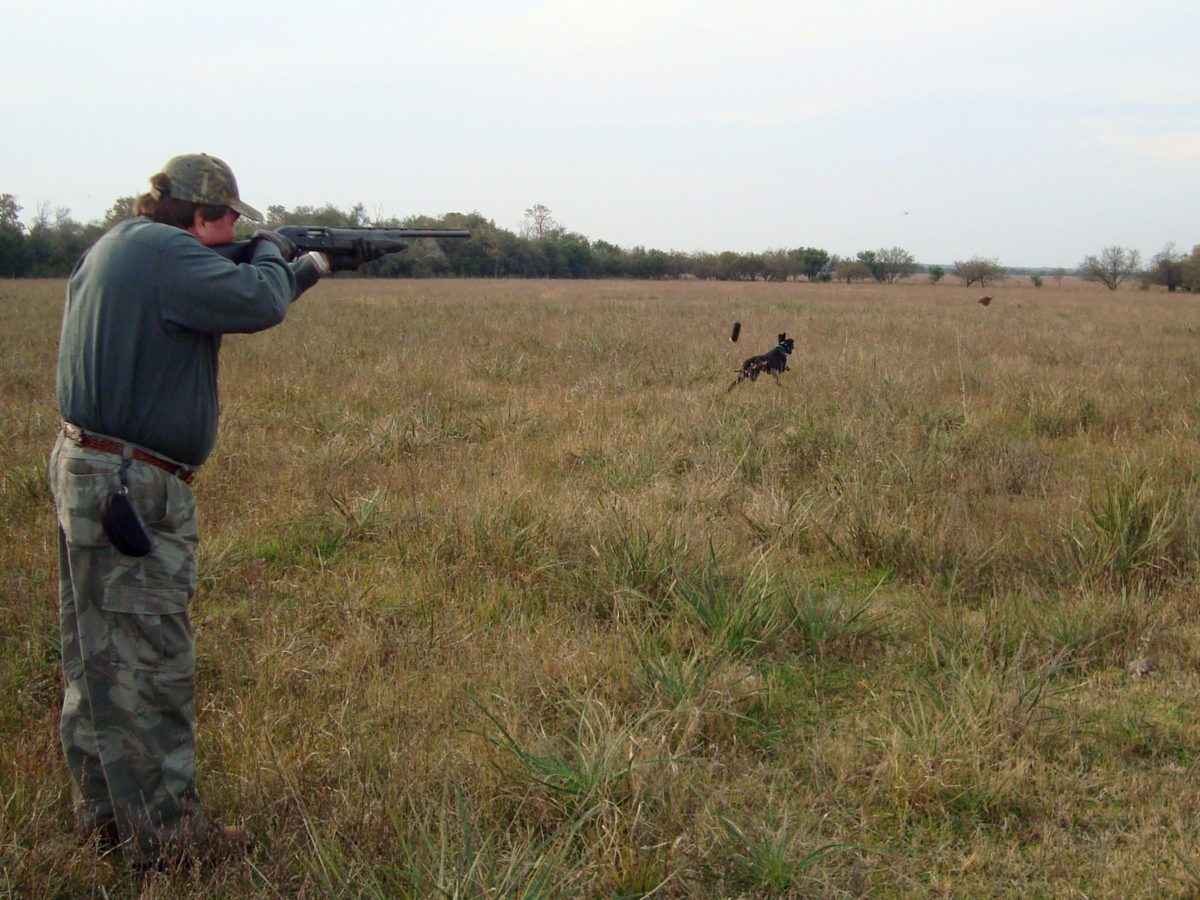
column 169, row 211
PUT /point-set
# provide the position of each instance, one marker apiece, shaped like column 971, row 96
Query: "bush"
column 1113, row 266
column 978, row 270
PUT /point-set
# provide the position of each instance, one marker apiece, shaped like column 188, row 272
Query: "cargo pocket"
column 149, row 629
column 77, row 504
column 168, row 513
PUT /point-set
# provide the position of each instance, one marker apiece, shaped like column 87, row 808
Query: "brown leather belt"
column 95, row 442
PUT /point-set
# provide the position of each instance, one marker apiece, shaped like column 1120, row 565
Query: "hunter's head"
column 198, row 193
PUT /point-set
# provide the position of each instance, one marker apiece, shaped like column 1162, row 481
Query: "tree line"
column 543, row 248
column 53, row 243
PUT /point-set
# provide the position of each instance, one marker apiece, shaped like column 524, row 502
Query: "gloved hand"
column 348, row 260
column 286, row 247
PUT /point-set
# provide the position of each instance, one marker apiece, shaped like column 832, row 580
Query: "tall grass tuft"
column 579, row 771
column 770, row 859
column 636, row 564
column 447, row 850
column 742, row 613
column 827, row 623
column 1127, row 535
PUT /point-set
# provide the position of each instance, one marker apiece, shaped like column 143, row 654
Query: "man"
column 137, row 389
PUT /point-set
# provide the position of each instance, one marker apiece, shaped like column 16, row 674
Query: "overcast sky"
column 1034, row 133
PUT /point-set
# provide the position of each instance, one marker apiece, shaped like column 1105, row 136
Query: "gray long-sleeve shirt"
column 141, row 333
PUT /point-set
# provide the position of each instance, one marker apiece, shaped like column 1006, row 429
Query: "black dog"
column 774, row 362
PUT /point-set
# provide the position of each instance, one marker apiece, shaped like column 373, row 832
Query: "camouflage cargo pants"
column 128, row 715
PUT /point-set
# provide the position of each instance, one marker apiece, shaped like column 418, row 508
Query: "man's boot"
column 104, row 837
column 209, row 845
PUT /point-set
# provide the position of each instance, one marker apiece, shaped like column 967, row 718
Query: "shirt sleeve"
column 203, row 291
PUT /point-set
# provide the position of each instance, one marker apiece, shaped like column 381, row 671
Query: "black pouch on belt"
column 121, row 522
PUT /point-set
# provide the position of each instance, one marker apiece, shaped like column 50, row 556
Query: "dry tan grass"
column 502, row 593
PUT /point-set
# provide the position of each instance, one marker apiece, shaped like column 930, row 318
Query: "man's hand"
column 348, row 260
column 286, row 247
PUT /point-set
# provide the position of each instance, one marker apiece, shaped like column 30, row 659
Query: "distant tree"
column 643, row 263
column 357, row 217
column 10, row 212
column 471, row 258
column 731, row 266
column 1167, row 268
column 936, row 274
column 811, row 262
column 609, row 259
column 1058, row 275
column 1036, row 280
column 779, row 265
column 851, row 270
column 526, row 259
column 667, row 265
column 12, row 238
column 1191, row 271
column 978, row 270
column 572, row 256
column 1114, row 265
column 496, row 259
column 539, row 223
column 704, row 265
column 328, row 215
column 39, row 244
column 70, row 239
column 121, row 209
column 507, row 251
column 894, row 263
column 870, row 259
column 426, row 258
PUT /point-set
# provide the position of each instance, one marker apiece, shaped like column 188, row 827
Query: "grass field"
column 503, row 594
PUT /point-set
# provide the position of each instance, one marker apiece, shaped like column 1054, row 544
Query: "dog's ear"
column 782, row 336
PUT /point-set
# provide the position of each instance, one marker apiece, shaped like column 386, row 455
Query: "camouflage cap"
column 200, row 178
